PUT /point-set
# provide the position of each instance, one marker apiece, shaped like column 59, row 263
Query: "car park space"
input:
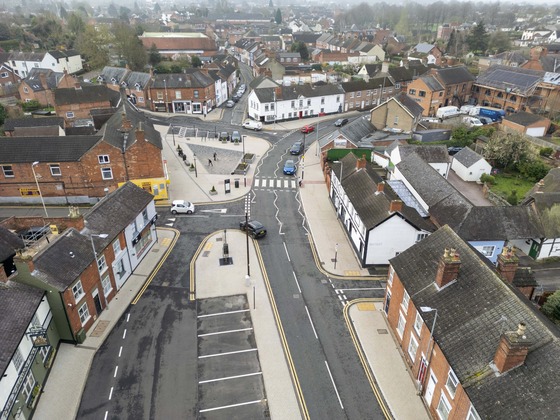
column 230, row 383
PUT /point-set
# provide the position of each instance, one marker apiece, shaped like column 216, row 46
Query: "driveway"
column 471, row 190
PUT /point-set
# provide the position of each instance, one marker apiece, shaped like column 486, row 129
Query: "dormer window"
column 113, row 80
column 123, row 84
column 137, row 86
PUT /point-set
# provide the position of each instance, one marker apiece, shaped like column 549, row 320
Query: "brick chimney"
column 507, row 264
column 448, row 268
column 394, row 205
column 361, row 162
column 540, row 186
column 380, row 187
column 126, row 123
column 512, row 349
column 140, row 133
column 77, row 86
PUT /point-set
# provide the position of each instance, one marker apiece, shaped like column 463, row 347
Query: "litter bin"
column 225, row 250
column 227, row 186
column 236, row 182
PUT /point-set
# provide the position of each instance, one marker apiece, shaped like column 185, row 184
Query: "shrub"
column 551, row 307
column 512, row 198
column 30, row 106
column 546, row 151
column 533, row 169
column 487, row 178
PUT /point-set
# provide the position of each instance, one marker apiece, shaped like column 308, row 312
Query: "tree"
column 507, row 149
column 195, row 61
column 278, row 17
column 92, row 45
column 478, row 38
column 154, row 57
column 301, row 48
column 157, row 8
column 550, row 219
column 124, row 13
column 499, row 42
column 551, row 307
column 76, row 24
column 128, row 46
column 270, row 4
column 3, row 114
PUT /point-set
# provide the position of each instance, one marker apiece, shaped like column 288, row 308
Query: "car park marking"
column 116, row 370
column 230, row 406
column 219, row 211
column 225, row 332
column 224, row 313
column 227, row 378
column 111, row 393
column 311, row 322
column 226, row 354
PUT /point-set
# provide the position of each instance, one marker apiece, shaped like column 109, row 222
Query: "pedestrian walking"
column 215, row 156
column 210, row 162
column 184, row 158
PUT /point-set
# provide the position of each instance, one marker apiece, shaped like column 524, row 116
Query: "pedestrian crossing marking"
column 276, row 183
column 352, row 273
column 257, row 182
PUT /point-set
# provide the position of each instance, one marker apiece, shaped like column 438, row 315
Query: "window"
column 84, row 313
column 78, row 291
column 472, row 414
column 44, row 351
column 412, row 348
column 358, row 94
column 4, row 75
column 17, row 360
column 293, row 104
column 400, row 326
column 8, row 171
column 103, row 158
column 443, row 408
column 69, row 114
column 25, row 89
column 140, row 99
column 390, row 278
column 396, row 121
column 106, row 283
column 266, row 108
column 272, row 107
column 55, row 170
column 451, row 383
column 351, row 105
column 195, row 94
column 322, row 101
column 441, row 94
column 418, row 323
column 488, row 251
column 397, row 85
column 421, row 236
column 106, row 173
column 412, row 91
column 101, row 263
column 160, row 95
column 422, row 94
column 177, row 94
column 35, row 321
column 28, row 386
column 117, row 246
column 351, row 94
column 301, row 103
column 145, row 215
column 309, row 102
column 405, row 300
column 338, row 99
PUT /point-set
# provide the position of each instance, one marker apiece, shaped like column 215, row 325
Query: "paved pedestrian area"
column 223, row 163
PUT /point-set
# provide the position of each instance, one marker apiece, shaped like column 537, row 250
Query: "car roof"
column 289, row 162
column 256, row 224
column 177, row 202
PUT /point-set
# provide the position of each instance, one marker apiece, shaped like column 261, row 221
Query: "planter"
column 248, row 157
column 191, row 168
column 213, row 192
column 241, row 169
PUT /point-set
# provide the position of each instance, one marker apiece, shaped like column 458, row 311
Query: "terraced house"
column 185, row 93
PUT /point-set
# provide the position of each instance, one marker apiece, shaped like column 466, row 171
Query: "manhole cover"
column 382, row 331
column 205, row 253
column 155, row 250
column 324, row 281
column 165, row 284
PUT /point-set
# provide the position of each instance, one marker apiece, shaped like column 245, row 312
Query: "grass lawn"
column 505, row 183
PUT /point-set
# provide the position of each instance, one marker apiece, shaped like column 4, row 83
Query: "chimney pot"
column 512, row 349
column 448, row 267
column 507, row 264
column 380, row 187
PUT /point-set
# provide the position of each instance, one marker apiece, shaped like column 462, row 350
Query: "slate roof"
column 429, row 154
column 115, row 212
column 12, row 123
column 194, row 79
column 524, row 119
column 18, row 304
column 45, row 149
column 357, row 129
column 113, row 134
column 432, row 82
column 454, row 75
column 524, row 277
column 412, row 106
column 136, row 77
column 467, row 157
column 86, row 94
column 424, row 48
column 360, row 85
column 33, row 79
column 109, row 73
column 9, row 243
column 521, row 81
column 288, row 93
column 58, row 54
column 70, row 250
column 403, row 74
column 308, row 38
column 472, row 314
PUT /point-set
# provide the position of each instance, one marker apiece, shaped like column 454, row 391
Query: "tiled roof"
column 115, row 212
column 467, row 157
column 113, row 74
column 412, row 106
column 359, row 85
column 33, row 79
column 472, row 313
column 12, row 123
column 194, row 79
column 429, row 154
column 18, row 304
column 86, row 94
column 9, row 243
column 524, row 118
column 45, row 149
column 454, row 75
column 403, row 74
column 432, row 82
column 519, row 80
column 294, row 92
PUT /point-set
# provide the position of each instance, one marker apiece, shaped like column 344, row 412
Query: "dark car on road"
column 340, row 122
column 255, row 229
column 296, row 148
column 290, row 167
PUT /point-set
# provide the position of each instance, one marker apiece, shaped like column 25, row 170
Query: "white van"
column 472, row 122
column 466, row 109
column 447, row 112
column 252, row 125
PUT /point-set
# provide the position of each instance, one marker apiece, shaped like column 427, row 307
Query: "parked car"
column 235, row 137
column 290, row 167
column 224, row 136
column 485, row 120
column 255, row 229
column 472, row 122
column 242, row 89
column 182, row 206
column 453, row 150
column 252, row 125
column 235, row 98
column 230, row 104
column 340, row 122
column 297, row 148
column 307, row 129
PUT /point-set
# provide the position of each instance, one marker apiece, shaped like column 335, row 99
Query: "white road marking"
column 297, row 283
column 124, row 334
column 226, row 354
column 311, row 321
column 225, row 332
column 363, row 288
column 127, row 317
column 257, row 182
column 111, row 393
column 286, row 183
column 278, row 183
column 224, row 313
column 334, row 385
column 288, row 255
column 226, row 378
column 120, row 351
column 229, row 406
column 293, row 184
column 116, row 370
column 221, row 211
column 106, row 414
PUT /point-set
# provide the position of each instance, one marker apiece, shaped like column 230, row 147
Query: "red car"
column 307, row 129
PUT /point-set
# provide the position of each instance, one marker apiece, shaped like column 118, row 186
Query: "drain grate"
column 382, row 331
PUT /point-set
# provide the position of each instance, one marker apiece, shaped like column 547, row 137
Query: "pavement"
column 380, row 354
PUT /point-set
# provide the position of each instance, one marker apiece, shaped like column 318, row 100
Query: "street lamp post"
column 431, row 344
column 335, row 254
column 102, row 236
column 173, row 133
column 194, row 161
column 39, row 188
column 243, row 144
column 166, row 97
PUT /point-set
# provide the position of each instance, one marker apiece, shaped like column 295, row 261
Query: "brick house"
column 76, row 103
column 8, row 76
column 81, row 169
column 185, row 93
column 526, row 123
column 135, row 84
column 120, row 230
column 39, row 85
column 442, row 87
column 399, row 112
column 474, row 346
column 362, row 95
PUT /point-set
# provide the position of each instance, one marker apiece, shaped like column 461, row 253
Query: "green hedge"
column 337, row 154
